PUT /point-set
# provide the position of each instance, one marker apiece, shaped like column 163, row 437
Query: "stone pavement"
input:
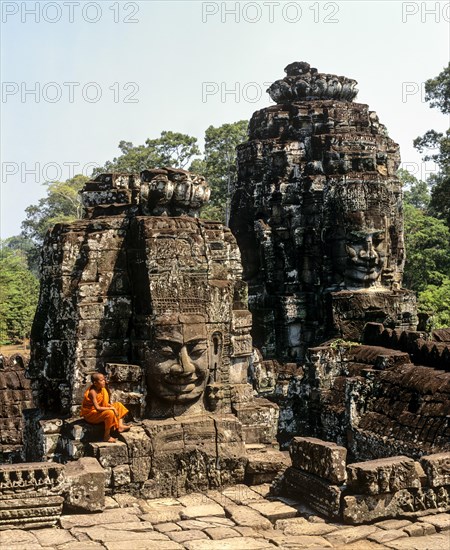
column 236, row 518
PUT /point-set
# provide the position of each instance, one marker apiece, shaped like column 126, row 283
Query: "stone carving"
column 172, row 192
column 15, row 396
column 162, row 191
column 317, row 213
column 178, row 363
column 437, row 468
column 385, row 475
column 376, row 489
column 133, row 286
column 142, row 290
column 305, row 82
column 364, row 235
column 403, row 503
column 30, row 494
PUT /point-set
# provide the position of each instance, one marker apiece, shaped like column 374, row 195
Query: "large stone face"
column 317, row 212
column 155, row 301
column 152, row 296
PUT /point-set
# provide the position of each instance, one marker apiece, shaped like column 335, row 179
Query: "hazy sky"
column 108, row 71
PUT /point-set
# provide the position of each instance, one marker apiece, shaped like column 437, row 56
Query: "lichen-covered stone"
column 317, row 213
column 30, row 495
column 321, row 458
column 320, row 494
column 404, row 503
column 15, row 396
column 385, row 475
column 85, row 485
column 437, row 468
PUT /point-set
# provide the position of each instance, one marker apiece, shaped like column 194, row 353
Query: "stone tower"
column 126, row 290
column 317, row 213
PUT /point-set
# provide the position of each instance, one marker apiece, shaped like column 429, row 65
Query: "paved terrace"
column 237, row 518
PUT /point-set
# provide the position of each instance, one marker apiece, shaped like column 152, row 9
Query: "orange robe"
column 92, row 416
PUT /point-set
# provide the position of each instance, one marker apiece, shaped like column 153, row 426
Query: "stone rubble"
column 395, row 487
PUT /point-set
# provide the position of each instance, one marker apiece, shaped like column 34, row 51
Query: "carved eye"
column 166, row 350
column 378, row 237
column 196, row 351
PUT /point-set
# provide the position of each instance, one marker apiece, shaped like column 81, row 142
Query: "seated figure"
column 97, row 409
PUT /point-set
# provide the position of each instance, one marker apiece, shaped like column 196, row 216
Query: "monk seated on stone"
column 97, row 409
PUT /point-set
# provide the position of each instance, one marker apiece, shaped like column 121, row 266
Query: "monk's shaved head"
column 96, row 376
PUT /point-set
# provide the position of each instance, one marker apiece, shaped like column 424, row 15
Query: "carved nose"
column 368, row 251
column 185, row 361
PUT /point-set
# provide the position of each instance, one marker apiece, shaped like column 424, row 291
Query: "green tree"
column 170, row 149
column 416, row 193
column 437, row 93
column 427, row 242
column 19, row 290
column 436, row 299
column 61, row 204
column 219, row 165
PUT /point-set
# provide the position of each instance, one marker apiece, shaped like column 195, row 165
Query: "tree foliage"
column 436, row 299
column 436, row 146
column 61, row 204
column 416, row 193
column 437, row 91
column 19, row 290
column 427, row 241
column 219, row 165
column 170, row 149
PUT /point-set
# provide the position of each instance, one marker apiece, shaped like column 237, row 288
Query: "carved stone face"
column 178, row 364
column 366, row 252
column 364, row 235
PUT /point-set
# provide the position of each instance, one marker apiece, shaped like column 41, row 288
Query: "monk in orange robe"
column 97, row 409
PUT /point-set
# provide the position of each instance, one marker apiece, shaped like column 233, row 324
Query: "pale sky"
column 108, row 71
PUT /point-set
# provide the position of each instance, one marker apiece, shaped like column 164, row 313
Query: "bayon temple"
column 282, row 350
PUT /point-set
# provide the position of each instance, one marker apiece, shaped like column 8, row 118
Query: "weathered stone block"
column 228, row 437
column 437, row 468
column 85, row 485
column 321, row 458
column 109, row 455
column 259, row 420
column 31, row 494
column 317, row 493
column 79, row 429
column 403, row 503
column 137, row 442
column 124, row 372
column 140, row 468
column 265, row 465
column 385, row 475
column 121, row 475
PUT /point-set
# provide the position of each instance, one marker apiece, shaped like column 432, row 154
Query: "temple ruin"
column 281, row 350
